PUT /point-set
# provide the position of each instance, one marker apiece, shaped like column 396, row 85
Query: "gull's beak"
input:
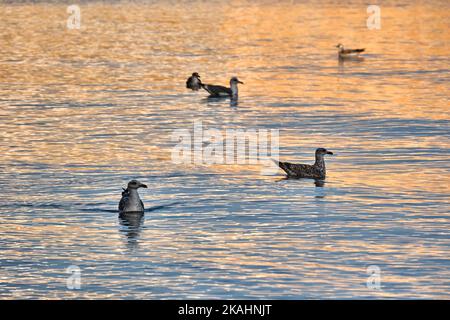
column 143, row 186
column 329, row 152
column 240, row 82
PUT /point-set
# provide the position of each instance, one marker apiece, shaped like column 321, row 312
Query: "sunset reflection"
column 84, row 111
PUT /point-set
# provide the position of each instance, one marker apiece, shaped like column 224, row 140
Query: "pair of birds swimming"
column 195, row 83
column 131, row 202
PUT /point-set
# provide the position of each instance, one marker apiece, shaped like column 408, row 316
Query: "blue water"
column 84, row 111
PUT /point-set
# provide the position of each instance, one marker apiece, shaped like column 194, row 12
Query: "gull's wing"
column 123, row 200
column 349, row 51
column 297, row 170
column 217, row 90
column 188, row 83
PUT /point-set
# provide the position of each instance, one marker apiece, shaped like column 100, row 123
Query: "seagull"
column 348, row 53
column 131, row 202
column 315, row 171
column 194, row 82
column 220, row 91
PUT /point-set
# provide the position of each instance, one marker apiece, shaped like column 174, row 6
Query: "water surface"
column 84, row 111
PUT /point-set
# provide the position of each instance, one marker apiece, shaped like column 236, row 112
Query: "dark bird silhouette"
column 194, row 82
column 315, row 171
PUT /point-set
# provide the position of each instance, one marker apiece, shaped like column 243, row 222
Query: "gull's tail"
column 279, row 164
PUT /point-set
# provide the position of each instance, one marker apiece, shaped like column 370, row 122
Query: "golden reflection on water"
column 93, row 97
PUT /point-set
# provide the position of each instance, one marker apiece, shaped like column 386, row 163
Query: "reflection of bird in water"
column 131, row 202
column 315, row 171
column 319, row 183
column 194, row 82
column 221, row 91
column 131, row 223
column 348, row 53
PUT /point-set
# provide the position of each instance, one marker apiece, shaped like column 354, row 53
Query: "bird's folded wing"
column 348, row 51
column 293, row 169
column 123, row 202
column 216, row 90
column 189, row 83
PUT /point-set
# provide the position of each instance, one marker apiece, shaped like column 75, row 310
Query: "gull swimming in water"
column 348, row 53
column 131, row 202
column 315, row 171
column 221, row 91
column 194, row 82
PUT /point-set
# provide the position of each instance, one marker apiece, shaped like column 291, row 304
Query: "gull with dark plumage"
column 315, row 171
column 348, row 53
column 221, row 91
column 131, row 202
column 194, row 82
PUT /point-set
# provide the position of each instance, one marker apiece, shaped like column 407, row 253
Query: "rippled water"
column 83, row 111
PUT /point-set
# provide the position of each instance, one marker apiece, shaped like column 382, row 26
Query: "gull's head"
column 135, row 184
column 340, row 46
column 322, row 152
column 196, row 75
column 235, row 80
